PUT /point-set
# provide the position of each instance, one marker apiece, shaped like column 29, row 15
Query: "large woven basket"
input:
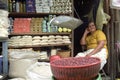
column 83, row 68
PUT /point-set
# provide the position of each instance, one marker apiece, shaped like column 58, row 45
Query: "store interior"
column 20, row 39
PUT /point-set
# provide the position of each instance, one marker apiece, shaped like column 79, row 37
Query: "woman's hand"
column 97, row 49
column 86, row 31
column 88, row 55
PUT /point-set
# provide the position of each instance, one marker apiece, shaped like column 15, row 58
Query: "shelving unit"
column 41, row 15
column 69, row 45
column 15, row 14
column 49, row 46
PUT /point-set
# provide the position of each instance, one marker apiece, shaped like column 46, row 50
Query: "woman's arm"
column 98, row 48
column 83, row 39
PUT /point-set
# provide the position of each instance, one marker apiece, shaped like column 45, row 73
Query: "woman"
column 95, row 41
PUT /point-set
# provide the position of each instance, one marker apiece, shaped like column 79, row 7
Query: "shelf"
column 17, row 34
column 15, row 14
column 3, row 39
column 34, row 46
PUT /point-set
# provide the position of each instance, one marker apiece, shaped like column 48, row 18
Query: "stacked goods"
column 44, row 40
column 58, row 39
column 51, row 39
column 53, row 6
column 4, row 24
column 40, row 6
column 3, row 5
column 43, row 6
column 26, row 40
column 30, row 5
column 61, row 6
column 36, row 25
column 17, row 41
column 16, row 5
column 82, row 68
column 21, row 25
column 66, row 39
column 38, row 40
column 62, row 39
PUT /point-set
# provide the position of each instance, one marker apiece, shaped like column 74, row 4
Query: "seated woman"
column 96, row 44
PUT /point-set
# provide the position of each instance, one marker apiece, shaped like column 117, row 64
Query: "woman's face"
column 91, row 27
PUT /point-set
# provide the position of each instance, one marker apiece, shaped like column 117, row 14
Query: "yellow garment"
column 92, row 40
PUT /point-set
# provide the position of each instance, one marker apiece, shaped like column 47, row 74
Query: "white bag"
column 39, row 71
column 18, row 67
column 17, row 79
column 66, row 21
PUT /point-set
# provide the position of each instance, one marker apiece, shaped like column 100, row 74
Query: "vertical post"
column 5, row 56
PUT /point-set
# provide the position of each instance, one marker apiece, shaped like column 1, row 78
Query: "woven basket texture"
column 83, row 72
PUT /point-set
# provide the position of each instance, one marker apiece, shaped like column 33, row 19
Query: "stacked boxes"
column 36, row 25
column 42, row 6
column 30, row 5
column 21, row 25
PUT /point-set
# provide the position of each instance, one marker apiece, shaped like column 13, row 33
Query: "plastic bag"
column 66, row 21
column 18, row 67
column 115, row 4
column 101, row 17
column 3, row 4
column 4, row 24
column 17, row 79
column 39, row 71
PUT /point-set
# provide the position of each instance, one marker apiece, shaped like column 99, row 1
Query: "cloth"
column 93, row 39
column 98, row 15
column 101, row 55
column 95, row 7
column 101, row 17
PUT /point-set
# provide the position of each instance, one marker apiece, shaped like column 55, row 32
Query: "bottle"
column 24, row 6
column 10, row 5
column 44, row 26
column 13, row 6
column 17, row 6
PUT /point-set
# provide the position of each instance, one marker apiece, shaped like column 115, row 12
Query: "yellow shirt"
column 92, row 40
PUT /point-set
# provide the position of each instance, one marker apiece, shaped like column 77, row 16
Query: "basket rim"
column 82, row 66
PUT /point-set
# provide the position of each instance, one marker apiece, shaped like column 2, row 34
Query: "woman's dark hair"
column 91, row 22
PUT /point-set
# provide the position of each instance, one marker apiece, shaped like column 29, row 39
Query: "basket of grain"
column 72, row 68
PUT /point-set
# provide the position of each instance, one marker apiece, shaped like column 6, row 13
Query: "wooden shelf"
column 32, row 46
column 57, row 33
column 15, row 14
column 3, row 39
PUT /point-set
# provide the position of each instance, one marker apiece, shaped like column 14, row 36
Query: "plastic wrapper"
column 115, row 4
column 3, row 4
column 66, row 21
column 101, row 17
column 39, row 71
column 4, row 23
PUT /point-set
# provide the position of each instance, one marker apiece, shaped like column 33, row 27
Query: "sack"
column 18, row 67
column 39, row 71
column 66, row 21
